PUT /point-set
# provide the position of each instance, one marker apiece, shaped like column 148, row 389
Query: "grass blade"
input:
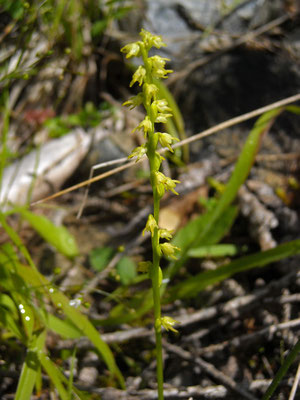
column 57, row 236
column 30, row 368
column 282, row 371
column 51, row 370
column 195, row 284
column 34, row 278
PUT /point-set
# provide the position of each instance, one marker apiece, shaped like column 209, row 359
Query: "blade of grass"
column 238, row 177
column 30, row 367
column 4, row 135
column 51, row 370
column 57, row 236
column 195, row 284
column 34, row 278
column 282, row 371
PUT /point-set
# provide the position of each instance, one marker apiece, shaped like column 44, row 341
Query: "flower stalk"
column 157, row 111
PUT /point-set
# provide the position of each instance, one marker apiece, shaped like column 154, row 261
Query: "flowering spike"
column 157, row 111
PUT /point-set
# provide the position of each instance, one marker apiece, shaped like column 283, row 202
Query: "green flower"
column 160, row 108
column 150, row 91
column 162, row 105
column 158, row 66
column 132, row 50
column 145, row 125
column 168, row 323
column 162, row 118
column 169, row 250
column 151, row 225
column 166, row 140
column 138, row 76
column 138, row 152
column 165, row 234
column 150, row 40
column 166, row 182
column 134, row 101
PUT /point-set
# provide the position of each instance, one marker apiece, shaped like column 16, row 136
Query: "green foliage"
column 88, row 117
column 57, row 236
column 126, row 269
column 100, row 257
column 193, row 285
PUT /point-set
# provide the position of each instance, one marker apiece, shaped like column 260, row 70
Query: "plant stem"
column 155, row 274
column 155, row 271
column 156, row 301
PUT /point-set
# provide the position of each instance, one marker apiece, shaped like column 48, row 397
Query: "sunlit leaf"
column 57, row 236
column 30, row 367
column 217, row 250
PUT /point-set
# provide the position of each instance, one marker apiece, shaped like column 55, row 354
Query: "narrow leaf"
column 217, row 250
column 190, row 287
column 34, row 278
column 30, row 368
column 57, row 236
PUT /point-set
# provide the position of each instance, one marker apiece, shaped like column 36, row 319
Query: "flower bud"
column 157, row 161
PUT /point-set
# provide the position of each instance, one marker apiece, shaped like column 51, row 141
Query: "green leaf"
column 126, row 268
column 189, row 235
column 190, row 287
column 293, row 109
column 57, row 236
column 206, row 231
column 54, row 375
column 30, row 367
column 217, row 250
column 282, row 370
column 98, row 27
column 34, row 278
column 64, row 328
column 8, row 322
column 100, row 257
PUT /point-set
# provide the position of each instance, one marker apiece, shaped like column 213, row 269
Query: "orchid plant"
column 157, row 111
